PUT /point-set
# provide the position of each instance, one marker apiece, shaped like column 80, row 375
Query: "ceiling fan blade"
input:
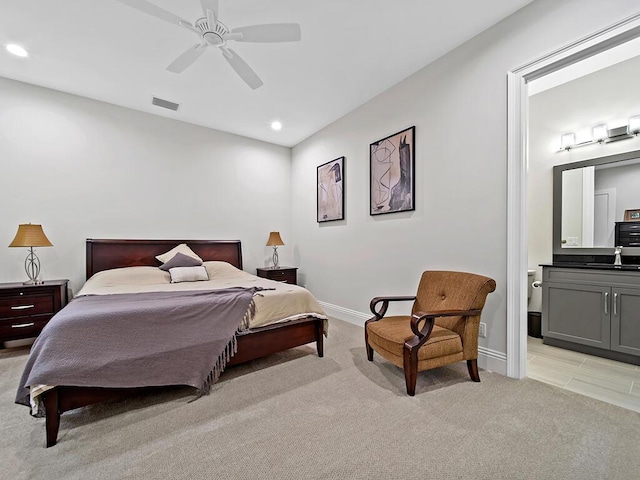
column 210, row 10
column 155, row 11
column 273, row 32
column 187, row 58
column 247, row 74
column 209, row 5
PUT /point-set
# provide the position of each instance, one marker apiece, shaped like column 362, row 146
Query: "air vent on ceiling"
column 165, row 104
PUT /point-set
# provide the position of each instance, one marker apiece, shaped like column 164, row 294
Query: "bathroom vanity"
column 594, row 309
column 588, row 303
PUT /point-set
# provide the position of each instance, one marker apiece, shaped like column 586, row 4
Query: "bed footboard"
column 251, row 346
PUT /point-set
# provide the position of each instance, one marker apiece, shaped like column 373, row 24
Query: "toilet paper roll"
column 536, row 284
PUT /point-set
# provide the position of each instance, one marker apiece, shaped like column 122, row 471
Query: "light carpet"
column 296, row 416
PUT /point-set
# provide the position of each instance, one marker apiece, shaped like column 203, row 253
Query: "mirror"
column 589, row 198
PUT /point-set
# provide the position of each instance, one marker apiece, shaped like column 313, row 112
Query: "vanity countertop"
column 593, row 266
column 630, row 263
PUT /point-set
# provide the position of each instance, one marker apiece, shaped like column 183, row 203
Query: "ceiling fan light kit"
column 213, row 33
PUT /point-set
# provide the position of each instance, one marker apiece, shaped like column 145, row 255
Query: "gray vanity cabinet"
column 625, row 320
column 598, row 309
column 576, row 313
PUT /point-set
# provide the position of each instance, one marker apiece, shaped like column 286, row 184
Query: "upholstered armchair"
column 442, row 328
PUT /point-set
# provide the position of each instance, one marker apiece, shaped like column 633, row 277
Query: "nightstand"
column 280, row 274
column 26, row 309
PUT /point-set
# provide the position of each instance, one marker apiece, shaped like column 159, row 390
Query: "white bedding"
column 287, row 302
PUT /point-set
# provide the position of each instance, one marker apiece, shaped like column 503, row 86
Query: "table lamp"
column 30, row 235
column 275, row 241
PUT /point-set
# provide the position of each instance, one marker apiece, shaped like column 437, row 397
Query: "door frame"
column 517, row 118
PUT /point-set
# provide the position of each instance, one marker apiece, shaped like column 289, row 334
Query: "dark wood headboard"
column 103, row 254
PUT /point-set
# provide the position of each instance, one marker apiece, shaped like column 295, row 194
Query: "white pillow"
column 183, row 249
column 188, row 274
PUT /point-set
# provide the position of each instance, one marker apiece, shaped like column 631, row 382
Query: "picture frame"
column 632, row 215
column 330, row 190
column 392, row 173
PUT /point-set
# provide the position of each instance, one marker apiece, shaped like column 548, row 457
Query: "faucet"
column 618, row 259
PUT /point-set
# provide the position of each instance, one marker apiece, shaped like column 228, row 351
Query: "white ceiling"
column 351, row 51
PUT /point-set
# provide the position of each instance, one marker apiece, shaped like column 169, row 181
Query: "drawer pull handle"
column 606, row 303
column 23, row 325
column 615, row 304
column 22, row 307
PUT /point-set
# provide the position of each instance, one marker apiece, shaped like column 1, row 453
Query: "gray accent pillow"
column 180, row 260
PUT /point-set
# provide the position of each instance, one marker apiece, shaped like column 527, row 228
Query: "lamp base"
column 32, row 267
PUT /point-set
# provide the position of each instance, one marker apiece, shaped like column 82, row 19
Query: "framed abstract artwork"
column 331, row 191
column 392, row 173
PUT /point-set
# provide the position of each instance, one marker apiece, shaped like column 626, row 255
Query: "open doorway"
column 517, row 258
column 596, row 91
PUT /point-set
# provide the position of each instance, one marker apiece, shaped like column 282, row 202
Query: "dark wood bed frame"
column 257, row 343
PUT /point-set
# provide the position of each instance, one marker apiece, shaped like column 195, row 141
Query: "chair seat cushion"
column 390, row 333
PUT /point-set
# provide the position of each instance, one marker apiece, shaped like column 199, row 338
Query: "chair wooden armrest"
column 422, row 334
column 385, row 304
column 417, row 317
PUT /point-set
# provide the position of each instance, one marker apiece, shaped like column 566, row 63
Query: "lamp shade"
column 30, row 235
column 274, row 240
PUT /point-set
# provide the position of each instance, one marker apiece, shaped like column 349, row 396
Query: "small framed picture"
column 331, row 191
column 632, row 215
column 392, row 173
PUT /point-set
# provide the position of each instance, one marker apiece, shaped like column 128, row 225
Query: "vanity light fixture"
column 567, row 141
column 634, row 125
column 600, row 134
column 17, row 50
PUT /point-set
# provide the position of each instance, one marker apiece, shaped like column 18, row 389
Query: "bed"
column 273, row 330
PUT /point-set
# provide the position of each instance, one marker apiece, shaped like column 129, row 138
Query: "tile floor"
column 607, row 380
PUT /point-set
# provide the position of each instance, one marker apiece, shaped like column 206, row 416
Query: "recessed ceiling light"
column 276, row 125
column 17, row 50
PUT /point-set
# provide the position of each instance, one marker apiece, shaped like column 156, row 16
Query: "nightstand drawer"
column 23, row 327
column 25, row 305
column 281, row 274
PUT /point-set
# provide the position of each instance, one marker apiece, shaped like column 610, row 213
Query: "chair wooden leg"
column 472, row 366
column 369, row 353
column 366, row 343
column 410, row 365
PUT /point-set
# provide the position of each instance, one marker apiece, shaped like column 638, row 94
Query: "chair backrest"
column 444, row 290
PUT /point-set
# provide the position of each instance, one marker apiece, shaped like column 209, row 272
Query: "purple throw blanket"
column 139, row 340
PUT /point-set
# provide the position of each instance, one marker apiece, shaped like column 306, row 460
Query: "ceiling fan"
column 213, row 33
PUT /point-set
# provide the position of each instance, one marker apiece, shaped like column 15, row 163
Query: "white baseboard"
column 341, row 313
column 487, row 359
column 492, row 360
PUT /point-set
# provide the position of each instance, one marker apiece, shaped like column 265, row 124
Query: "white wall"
column 606, row 96
column 458, row 105
column 86, row 169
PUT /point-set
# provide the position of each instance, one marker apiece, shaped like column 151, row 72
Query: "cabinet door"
column 576, row 313
column 625, row 320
